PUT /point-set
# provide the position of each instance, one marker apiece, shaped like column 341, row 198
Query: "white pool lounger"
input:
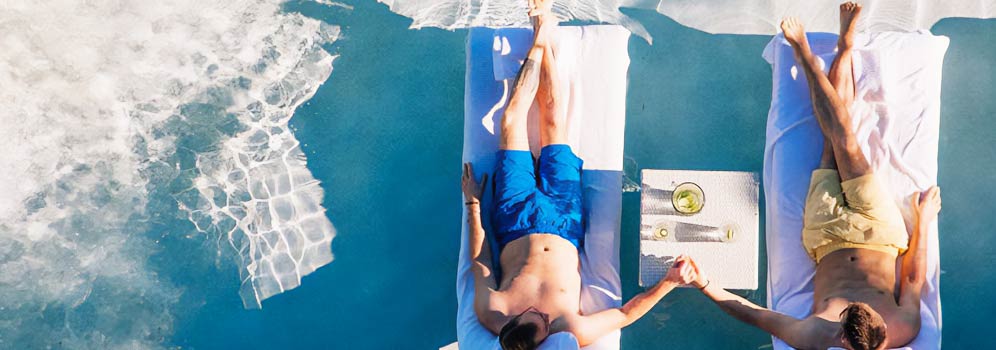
column 594, row 61
column 898, row 81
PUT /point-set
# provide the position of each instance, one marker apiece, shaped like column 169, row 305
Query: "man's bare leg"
column 514, row 122
column 831, row 112
column 841, row 71
column 553, row 113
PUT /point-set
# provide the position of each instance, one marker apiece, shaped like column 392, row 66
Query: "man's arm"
column 590, row 328
column 791, row 330
column 484, row 279
column 914, row 264
column 914, row 268
column 480, row 251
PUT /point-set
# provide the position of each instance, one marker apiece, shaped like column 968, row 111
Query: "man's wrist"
column 701, row 285
column 473, row 207
column 923, row 225
column 666, row 284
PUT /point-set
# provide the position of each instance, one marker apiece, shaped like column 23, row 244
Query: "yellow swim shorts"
column 857, row 213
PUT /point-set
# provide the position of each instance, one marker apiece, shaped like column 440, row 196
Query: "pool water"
column 384, row 135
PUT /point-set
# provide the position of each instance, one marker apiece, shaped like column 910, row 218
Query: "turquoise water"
column 384, row 135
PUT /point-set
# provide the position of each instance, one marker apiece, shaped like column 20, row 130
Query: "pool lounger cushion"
column 593, row 61
column 897, row 109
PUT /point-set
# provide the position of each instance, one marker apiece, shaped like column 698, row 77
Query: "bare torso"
column 541, row 271
column 857, row 275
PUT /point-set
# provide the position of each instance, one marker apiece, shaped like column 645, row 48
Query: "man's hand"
column 681, row 271
column 926, row 205
column 472, row 192
column 700, row 279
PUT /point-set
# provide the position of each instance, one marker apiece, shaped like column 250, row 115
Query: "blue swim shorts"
column 527, row 204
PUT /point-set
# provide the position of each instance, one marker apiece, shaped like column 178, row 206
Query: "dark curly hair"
column 863, row 328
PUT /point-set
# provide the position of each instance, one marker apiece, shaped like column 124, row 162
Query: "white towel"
column 594, row 61
column 897, row 109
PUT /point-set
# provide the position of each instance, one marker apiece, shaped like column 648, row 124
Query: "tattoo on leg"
column 528, row 78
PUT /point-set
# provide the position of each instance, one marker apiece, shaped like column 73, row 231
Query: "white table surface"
column 731, row 202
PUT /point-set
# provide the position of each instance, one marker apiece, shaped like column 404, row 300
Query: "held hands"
column 926, row 205
column 472, row 192
column 701, row 281
column 681, row 272
column 685, row 271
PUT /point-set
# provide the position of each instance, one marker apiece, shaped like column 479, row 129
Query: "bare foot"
column 540, row 7
column 541, row 15
column 849, row 12
column 794, row 32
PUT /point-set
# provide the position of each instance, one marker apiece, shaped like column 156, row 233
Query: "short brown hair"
column 517, row 335
column 863, row 328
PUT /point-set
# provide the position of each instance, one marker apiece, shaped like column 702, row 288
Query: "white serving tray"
column 722, row 237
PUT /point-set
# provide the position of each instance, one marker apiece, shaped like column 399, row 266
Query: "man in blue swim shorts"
column 537, row 219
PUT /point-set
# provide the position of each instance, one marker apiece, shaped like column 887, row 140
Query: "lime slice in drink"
column 688, row 198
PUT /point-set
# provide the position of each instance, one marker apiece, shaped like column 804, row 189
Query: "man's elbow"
column 481, row 270
column 915, row 281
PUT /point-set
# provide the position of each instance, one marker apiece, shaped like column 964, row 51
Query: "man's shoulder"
column 495, row 316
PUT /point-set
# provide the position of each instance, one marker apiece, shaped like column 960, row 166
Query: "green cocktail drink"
column 688, row 198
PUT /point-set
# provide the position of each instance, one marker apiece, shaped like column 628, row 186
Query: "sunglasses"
column 544, row 316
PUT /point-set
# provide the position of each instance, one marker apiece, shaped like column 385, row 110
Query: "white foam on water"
column 712, row 16
column 456, row 14
column 118, row 115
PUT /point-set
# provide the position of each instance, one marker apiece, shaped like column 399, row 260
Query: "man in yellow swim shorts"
column 852, row 229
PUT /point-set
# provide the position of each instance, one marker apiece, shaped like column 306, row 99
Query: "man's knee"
column 554, row 125
column 514, row 117
column 552, row 111
column 848, row 146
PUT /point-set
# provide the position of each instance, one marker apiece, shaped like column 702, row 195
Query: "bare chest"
column 854, row 275
column 544, row 276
